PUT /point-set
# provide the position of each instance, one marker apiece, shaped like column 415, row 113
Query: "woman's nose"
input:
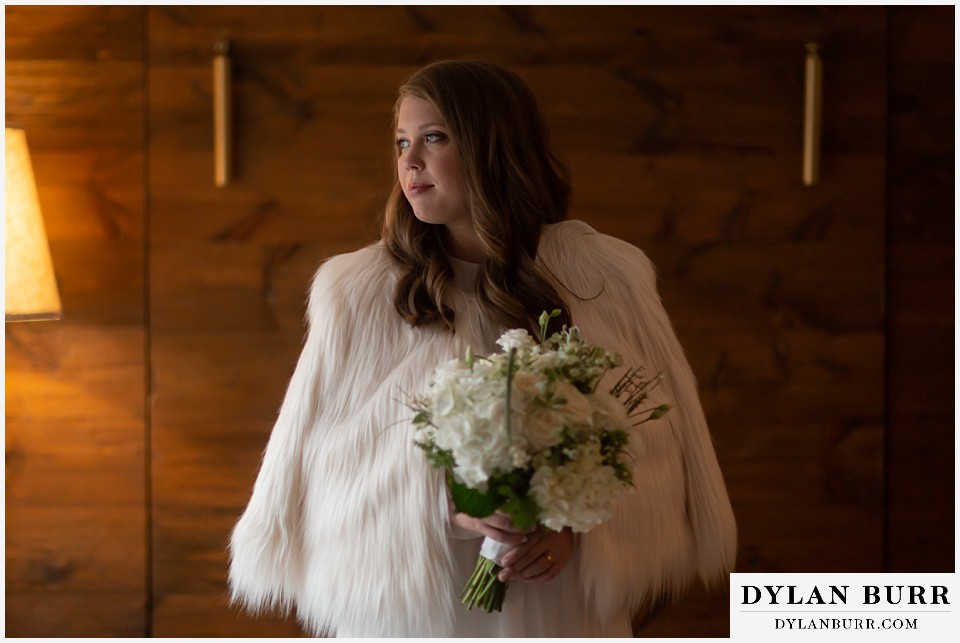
column 412, row 160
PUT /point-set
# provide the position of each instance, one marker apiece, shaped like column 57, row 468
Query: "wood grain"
column 921, row 327
column 86, row 614
column 798, row 307
column 76, row 549
column 76, row 492
column 209, row 615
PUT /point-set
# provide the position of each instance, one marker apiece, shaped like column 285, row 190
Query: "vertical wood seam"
column 885, row 305
column 147, row 327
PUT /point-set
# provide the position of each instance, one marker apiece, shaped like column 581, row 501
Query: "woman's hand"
column 496, row 526
column 541, row 557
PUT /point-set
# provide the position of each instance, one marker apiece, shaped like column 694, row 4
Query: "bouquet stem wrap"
column 484, row 589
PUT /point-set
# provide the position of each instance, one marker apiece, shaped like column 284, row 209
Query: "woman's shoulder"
column 567, row 230
column 576, row 233
column 577, row 244
column 370, row 258
column 357, row 280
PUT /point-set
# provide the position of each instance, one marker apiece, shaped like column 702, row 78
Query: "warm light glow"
column 31, row 290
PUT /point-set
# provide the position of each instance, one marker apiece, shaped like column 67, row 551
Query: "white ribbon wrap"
column 494, row 550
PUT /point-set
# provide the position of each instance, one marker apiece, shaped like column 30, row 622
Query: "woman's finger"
column 501, row 522
column 497, row 528
column 543, row 558
column 532, row 567
column 506, row 537
column 550, row 571
column 524, row 554
column 529, row 559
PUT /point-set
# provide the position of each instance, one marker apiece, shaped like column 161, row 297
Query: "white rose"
column 576, row 408
column 609, row 412
column 526, row 386
column 543, row 428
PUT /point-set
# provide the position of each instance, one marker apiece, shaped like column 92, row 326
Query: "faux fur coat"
column 349, row 524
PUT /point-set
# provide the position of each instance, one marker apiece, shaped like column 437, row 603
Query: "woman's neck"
column 464, row 244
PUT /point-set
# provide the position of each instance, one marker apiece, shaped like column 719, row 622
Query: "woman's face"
column 429, row 169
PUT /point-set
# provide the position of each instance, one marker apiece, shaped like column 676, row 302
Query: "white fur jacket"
column 348, row 522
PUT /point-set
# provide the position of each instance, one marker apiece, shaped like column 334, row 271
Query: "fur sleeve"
column 678, row 523
column 328, row 528
column 265, row 547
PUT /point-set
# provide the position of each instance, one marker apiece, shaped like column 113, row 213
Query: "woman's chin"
column 428, row 217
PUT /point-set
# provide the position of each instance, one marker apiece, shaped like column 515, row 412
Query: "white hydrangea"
column 580, row 494
column 469, row 418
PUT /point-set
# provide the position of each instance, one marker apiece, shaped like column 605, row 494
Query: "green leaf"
column 422, row 417
column 660, row 411
column 473, row 502
column 524, row 511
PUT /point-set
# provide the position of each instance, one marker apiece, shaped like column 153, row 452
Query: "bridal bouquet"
column 526, row 432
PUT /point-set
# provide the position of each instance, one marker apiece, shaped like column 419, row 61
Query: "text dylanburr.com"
column 844, row 607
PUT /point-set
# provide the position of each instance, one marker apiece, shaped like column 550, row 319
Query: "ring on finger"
column 549, row 557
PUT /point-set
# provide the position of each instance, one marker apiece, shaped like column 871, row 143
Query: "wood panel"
column 681, row 126
column 179, row 613
column 921, row 326
column 76, row 530
column 682, row 129
column 87, row 614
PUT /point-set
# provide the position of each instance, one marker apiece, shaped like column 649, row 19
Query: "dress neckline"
column 464, row 273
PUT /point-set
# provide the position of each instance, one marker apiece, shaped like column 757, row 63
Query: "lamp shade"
column 30, row 286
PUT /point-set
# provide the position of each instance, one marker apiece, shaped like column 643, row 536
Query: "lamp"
column 31, row 289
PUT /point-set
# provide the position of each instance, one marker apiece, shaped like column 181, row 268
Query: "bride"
column 348, row 524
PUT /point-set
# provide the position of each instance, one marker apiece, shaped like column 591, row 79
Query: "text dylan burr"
column 837, row 595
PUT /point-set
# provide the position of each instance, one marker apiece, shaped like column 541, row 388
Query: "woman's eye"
column 402, row 143
column 434, row 137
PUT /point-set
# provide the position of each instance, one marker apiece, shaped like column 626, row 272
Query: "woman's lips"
column 415, row 188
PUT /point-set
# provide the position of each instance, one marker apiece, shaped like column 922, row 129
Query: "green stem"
column 510, row 361
column 484, row 589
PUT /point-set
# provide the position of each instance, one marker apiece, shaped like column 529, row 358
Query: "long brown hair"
column 514, row 185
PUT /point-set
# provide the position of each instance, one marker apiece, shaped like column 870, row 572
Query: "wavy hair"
column 514, row 185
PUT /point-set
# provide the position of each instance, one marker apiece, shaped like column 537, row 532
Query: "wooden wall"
column 921, row 220
column 135, row 426
column 76, row 414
